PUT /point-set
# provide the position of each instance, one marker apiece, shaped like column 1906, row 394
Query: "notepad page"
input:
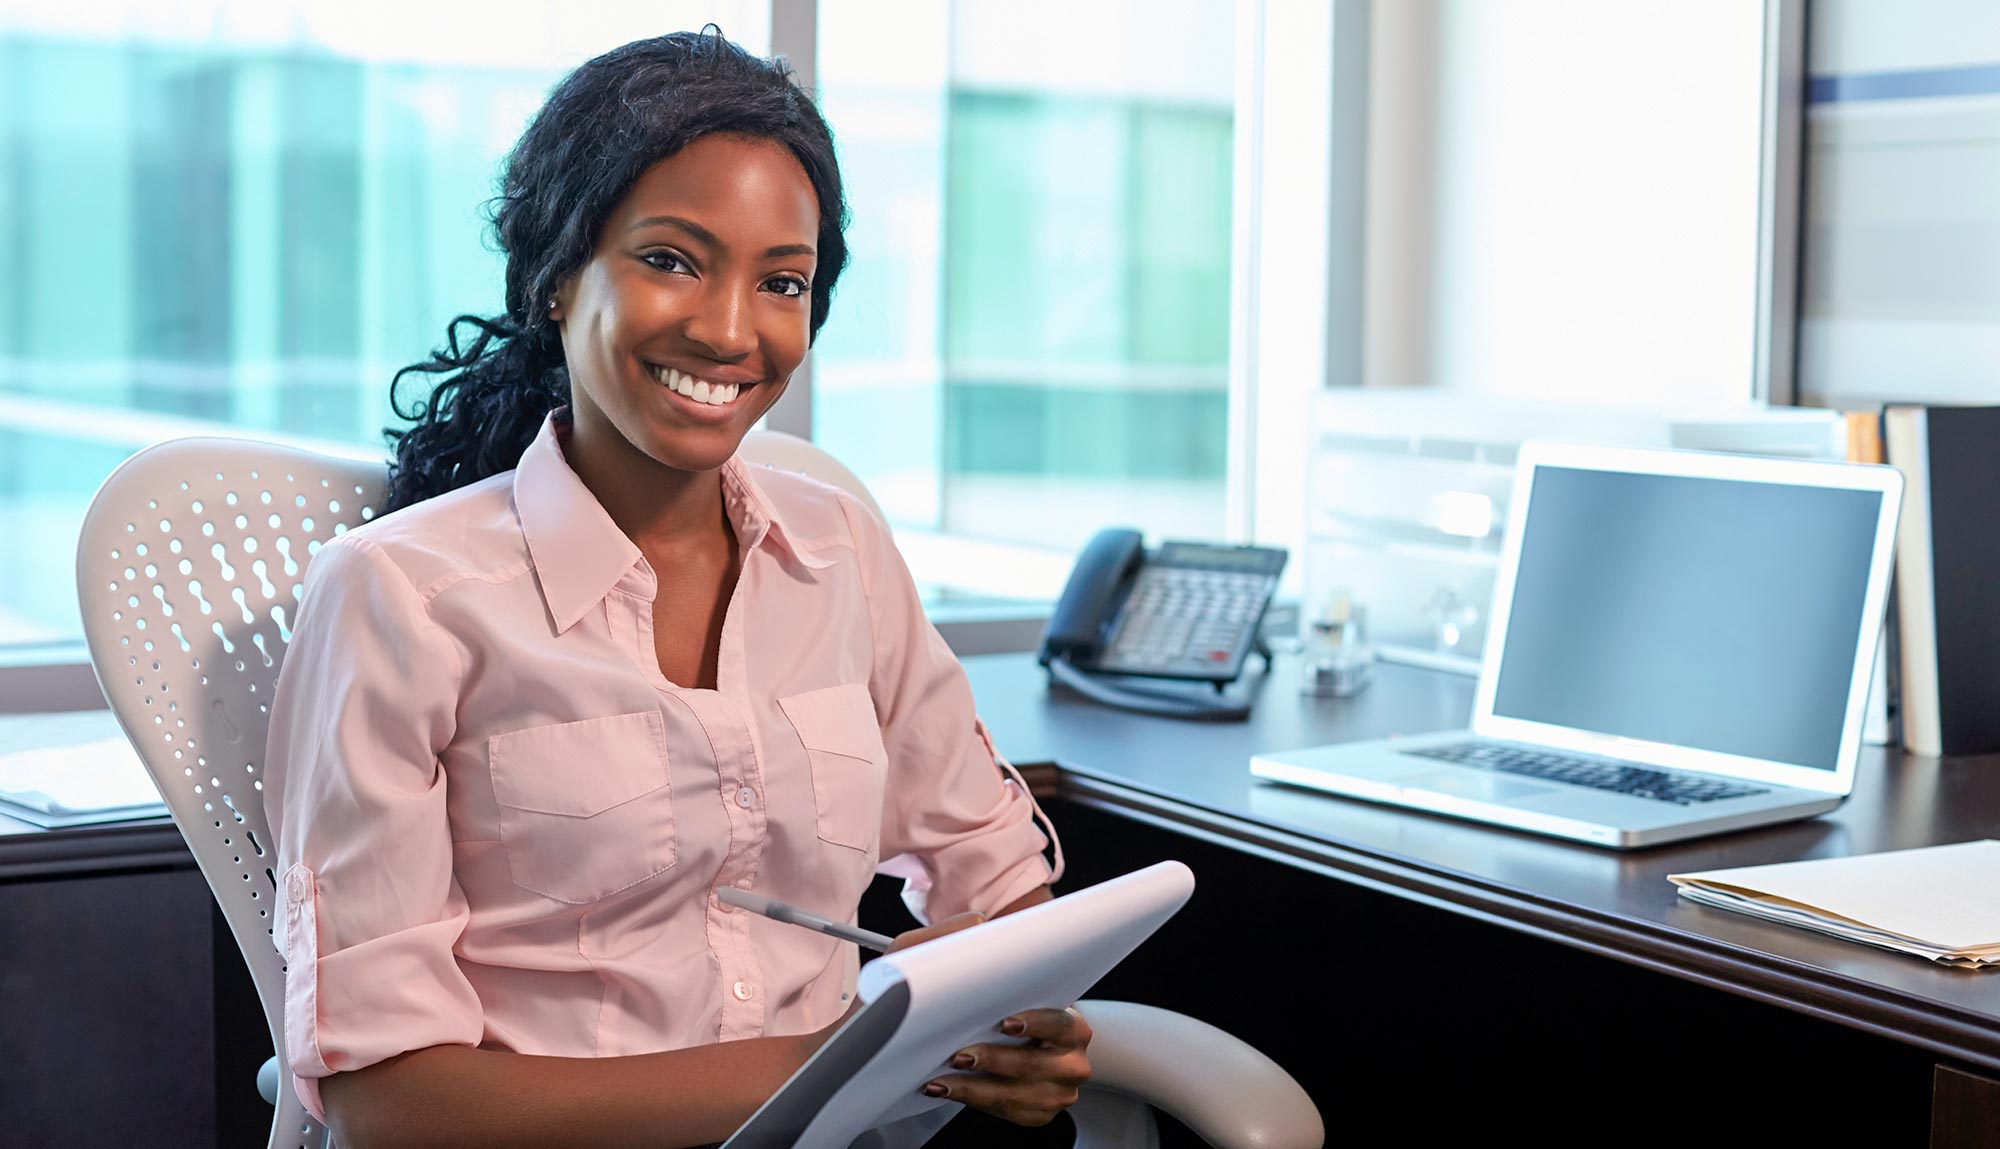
column 1943, row 895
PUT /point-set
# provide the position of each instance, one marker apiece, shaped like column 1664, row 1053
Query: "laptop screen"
column 1718, row 614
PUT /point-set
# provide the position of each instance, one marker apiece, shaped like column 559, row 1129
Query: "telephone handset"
column 1187, row 611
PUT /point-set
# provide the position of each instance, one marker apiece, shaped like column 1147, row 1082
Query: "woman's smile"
column 698, row 389
column 698, row 397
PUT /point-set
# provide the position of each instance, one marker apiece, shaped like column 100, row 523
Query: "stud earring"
column 552, row 305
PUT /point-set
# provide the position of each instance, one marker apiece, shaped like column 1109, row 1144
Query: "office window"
column 225, row 216
column 1566, row 235
column 1577, row 203
column 1900, row 292
column 1033, row 337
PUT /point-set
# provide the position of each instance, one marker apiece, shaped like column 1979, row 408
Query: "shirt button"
column 742, row 990
column 745, row 796
column 295, row 889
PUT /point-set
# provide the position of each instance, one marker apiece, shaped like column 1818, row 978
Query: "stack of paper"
column 72, row 769
column 1936, row 902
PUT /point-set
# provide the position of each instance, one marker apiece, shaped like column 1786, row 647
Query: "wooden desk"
column 1428, row 980
column 1606, row 981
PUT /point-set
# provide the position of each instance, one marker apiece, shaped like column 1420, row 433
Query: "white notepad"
column 1936, row 902
column 929, row 1001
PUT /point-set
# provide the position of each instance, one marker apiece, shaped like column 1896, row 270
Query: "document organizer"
column 926, row 1003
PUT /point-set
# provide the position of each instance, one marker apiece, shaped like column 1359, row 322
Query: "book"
column 1947, row 550
column 1933, row 902
column 1879, row 727
column 1864, row 436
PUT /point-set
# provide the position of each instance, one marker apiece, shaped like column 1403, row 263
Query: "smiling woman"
column 615, row 193
column 594, row 668
column 692, row 313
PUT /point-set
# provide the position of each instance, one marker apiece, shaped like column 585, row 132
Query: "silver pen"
column 780, row 912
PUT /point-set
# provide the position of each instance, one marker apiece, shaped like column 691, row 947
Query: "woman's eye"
column 788, row 286
column 665, row 261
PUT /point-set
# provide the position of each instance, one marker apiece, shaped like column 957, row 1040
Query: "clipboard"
column 922, row 1005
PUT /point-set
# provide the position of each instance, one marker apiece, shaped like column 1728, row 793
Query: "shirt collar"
column 578, row 551
column 756, row 519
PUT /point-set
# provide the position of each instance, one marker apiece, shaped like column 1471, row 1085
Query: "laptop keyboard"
column 1596, row 773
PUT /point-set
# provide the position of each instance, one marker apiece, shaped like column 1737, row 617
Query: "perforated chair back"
column 788, row 452
column 189, row 572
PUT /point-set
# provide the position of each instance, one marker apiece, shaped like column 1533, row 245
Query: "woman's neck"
column 661, row 509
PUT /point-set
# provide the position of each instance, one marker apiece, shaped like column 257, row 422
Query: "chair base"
column 1107, row 1119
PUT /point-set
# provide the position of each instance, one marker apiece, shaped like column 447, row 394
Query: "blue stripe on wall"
column 1917, row 84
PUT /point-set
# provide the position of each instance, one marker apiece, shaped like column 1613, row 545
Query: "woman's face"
column 701, row 282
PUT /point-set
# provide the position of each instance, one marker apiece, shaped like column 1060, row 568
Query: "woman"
column 595, row 668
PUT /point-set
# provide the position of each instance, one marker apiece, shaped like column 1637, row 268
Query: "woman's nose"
column 722, row 325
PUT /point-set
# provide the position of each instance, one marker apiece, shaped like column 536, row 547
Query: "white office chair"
column 189, row 572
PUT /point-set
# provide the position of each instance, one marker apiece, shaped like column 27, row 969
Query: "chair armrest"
column 269, row 1077
column 1225, row 1092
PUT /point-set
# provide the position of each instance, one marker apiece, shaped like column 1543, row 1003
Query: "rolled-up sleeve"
column 356, row 796
column 958, row 830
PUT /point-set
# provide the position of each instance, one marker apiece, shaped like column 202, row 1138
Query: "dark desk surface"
column 1195, row 777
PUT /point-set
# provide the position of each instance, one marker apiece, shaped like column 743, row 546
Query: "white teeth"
column 700, row 390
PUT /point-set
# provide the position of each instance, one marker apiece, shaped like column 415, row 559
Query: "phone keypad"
column 1188, row 621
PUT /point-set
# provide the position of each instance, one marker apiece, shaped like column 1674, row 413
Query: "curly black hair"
column 606, row 123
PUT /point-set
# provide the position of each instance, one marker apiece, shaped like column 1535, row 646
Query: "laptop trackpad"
column 1472, row 784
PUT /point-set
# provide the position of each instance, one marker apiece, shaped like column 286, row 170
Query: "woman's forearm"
column 455, row 1095
column 1034, row 897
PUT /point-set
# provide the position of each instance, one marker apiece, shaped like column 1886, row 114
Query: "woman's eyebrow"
column 708, row 238
column 701, row 234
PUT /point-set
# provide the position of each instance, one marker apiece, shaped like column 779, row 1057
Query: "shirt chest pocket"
column 585, row 808
column 844, row 745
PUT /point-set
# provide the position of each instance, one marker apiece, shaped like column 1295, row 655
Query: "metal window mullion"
column 795, row 38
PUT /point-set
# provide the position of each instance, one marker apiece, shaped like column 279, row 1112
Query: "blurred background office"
column 1119, row 261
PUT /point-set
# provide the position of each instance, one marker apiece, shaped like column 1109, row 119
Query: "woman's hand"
column 1027, row 1084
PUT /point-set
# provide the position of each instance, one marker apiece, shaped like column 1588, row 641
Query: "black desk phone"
column 1187, row 611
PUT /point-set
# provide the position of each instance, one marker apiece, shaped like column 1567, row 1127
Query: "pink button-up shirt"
column 499, row 824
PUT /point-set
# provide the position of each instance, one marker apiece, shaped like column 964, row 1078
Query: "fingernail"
column 1014, row 1027
column 933, row 1090
column 961, row 1061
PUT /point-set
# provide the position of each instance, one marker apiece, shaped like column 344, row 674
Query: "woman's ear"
column 558, row 306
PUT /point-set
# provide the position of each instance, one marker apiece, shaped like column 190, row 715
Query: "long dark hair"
column 602, row 127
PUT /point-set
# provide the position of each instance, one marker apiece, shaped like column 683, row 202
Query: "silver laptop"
column 1680, row 644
